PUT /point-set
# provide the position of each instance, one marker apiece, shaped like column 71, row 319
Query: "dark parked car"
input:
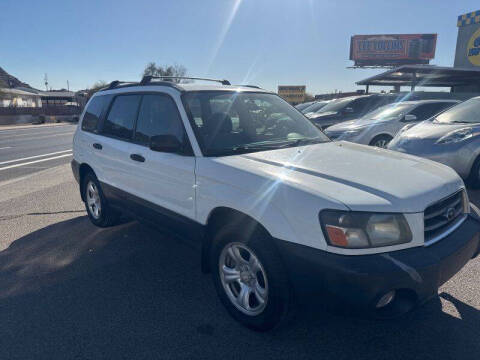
column 349, row 108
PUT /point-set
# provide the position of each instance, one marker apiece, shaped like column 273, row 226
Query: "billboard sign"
column 392, row 50
column 467, row 54
column 294, row 94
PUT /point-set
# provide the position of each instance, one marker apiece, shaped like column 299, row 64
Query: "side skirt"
column 152, row 214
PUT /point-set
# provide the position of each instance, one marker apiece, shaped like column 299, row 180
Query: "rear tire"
column 249, row 264
column 98, row 210
column 381, row 141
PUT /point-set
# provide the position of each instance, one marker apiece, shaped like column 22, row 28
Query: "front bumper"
column 360, row 281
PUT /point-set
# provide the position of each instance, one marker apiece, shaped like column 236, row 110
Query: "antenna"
column 45, row 79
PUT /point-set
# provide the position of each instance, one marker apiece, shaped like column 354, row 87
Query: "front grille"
column 442, row 215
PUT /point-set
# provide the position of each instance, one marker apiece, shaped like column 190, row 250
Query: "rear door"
column 87, row 138
column 165, row 181
column 114, row 145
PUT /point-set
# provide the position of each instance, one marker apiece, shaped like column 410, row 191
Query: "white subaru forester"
column 283, row 213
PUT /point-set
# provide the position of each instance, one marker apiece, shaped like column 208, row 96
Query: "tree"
column 95, row 87
column 153, row 69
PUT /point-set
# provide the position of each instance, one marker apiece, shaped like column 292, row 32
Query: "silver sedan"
column 451, row 138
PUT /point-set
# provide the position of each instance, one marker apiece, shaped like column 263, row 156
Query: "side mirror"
column 409, row 117
column 348, row 110
column 165, row 143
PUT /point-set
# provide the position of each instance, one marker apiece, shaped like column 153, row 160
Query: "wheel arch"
column 219, row 217
column 382, row 135
column 84, row 169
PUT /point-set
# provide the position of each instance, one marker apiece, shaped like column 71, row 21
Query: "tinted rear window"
column 121, row 118
column 93, row 112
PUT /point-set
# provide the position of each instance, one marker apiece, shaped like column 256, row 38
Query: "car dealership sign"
column 391, row 50
column 467, row 54
column 294, row 94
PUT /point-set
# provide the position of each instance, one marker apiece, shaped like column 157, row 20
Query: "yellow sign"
column 473, row 48
column 294, row 94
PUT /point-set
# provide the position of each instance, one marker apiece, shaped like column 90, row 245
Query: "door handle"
column 97, row 146
column 137, row 157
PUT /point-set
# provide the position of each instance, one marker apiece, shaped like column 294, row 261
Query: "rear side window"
column 426, row 111
column 158, row 115
column 93, row 113
column 121, row 118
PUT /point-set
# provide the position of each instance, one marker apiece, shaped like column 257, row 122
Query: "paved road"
column 69, row 290
column 27, row 150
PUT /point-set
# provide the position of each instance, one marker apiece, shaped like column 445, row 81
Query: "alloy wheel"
column 93, row 200
column 243, row 278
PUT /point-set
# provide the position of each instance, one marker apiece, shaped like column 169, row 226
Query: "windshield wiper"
column 307, row 141
column 242, row 149
column 246, row 148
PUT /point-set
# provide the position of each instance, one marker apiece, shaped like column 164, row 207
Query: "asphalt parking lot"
column 70, row 290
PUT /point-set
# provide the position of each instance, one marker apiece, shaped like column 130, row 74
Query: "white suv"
column 282, row 212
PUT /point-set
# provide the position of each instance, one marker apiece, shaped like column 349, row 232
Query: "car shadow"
column 71, row 290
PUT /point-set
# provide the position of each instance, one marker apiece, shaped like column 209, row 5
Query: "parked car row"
column 380, row 126
column 442, row 130
column 450, row 138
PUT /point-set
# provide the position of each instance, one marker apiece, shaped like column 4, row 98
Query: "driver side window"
column 158, row 115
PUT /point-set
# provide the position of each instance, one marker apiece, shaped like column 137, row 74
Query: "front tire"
column 381, row 141
column 250, row 278
column 98, row 211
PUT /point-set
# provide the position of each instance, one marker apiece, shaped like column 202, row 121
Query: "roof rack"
column 116, row 83
column 251, row 86
column 148, row 78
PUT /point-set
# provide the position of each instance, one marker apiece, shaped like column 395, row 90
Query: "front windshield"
column 314, row 108
column 466, row 112
column 336, row 105
column 227, row 123
column 391, row 111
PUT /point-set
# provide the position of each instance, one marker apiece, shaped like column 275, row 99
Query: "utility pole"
column 68, row 86
column 45, row 78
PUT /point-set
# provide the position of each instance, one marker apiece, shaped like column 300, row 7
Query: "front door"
column 165, row 180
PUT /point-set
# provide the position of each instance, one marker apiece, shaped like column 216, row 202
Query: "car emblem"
column 449, row 213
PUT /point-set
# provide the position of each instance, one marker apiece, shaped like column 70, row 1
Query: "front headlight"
column 360, row 230
column 456, row 136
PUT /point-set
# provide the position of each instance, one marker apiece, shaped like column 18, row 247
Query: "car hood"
column 432, row 130
column 425, row 135
column 362, row 178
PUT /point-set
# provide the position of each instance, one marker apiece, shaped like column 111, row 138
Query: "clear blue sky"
column 264, row 42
